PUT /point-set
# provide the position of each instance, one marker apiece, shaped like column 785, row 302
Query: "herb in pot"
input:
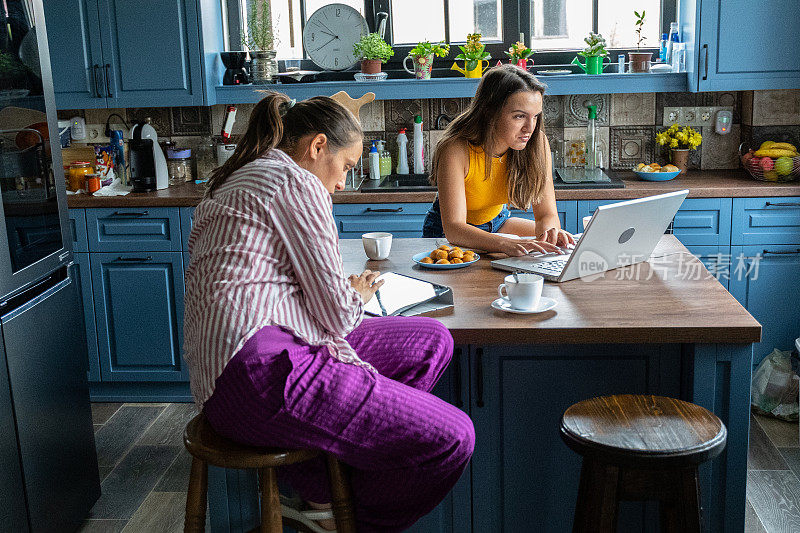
column 473, row 52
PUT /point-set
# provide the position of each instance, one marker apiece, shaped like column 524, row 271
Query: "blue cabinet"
column 154, row 229
column 104, row 53
column 77, row 226
column 81, row 275
column 138, row 301
column 401, row 220
column 733, row 43
column 717, row 260
column 766, row 221
column 766, row 281
column 567, row 214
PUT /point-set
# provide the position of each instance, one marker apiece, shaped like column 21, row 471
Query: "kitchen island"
column 662, row 327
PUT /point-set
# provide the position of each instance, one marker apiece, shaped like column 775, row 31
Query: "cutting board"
column 353, row 104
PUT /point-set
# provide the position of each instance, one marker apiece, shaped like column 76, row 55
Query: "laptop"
column 617, row 235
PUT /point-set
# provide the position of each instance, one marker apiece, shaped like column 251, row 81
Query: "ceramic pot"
column 423, row 65
column 639, row 61
column 370, row 66
column 680, row 158
column 263, row 66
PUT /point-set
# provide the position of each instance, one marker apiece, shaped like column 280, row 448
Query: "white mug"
column 377, row 245
column 523, row 294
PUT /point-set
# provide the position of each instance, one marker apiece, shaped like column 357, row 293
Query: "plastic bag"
column 775, row 387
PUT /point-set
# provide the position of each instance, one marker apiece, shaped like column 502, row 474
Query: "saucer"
column 545, row 304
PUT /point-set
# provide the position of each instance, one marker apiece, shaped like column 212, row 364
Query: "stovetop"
column 399, row 183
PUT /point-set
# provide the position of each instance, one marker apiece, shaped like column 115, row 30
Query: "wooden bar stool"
column 639, row 448
column 209, row 448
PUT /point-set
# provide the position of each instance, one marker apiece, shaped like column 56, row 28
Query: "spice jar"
column 77, row 174
column 92, row 183
column 179, row 165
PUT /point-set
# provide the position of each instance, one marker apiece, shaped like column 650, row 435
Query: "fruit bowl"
column 656, row 176
column 765, row 168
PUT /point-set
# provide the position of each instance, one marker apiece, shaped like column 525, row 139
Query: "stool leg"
column 195, row 519
column 680, row 511
column 271, row 520
column 341, row 497
column 596, row 508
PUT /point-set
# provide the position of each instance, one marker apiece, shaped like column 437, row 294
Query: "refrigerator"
column 48, row 466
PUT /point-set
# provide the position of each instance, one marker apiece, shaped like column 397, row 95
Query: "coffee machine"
column 235, row 74
column 148, row 166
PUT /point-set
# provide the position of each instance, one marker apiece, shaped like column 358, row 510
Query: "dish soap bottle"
column 374, row 163
column 419, row 143
column 385, row 159
column 591, row 139
column 402, row 152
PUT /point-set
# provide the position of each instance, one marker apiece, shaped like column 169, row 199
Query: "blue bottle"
column 662, row 53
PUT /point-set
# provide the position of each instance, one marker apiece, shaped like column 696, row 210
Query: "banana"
column 785, row 146
column 766, row 144
column 775, row 152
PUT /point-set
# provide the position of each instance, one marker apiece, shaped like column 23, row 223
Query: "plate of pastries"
column 446, row 257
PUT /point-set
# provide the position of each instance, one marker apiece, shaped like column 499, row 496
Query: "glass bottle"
column 591, row 139
column 384, row 158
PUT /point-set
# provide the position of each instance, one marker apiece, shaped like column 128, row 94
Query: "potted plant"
column 595, row 52
column 639, row 61
column 519, row 54
column 14, row 72
column 680, row 141
column 473, row 54
column 260, row 40
column 373, row 51
column 422, row 56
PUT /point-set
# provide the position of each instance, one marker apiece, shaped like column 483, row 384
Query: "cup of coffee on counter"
column 377, row 245
column 522, row 291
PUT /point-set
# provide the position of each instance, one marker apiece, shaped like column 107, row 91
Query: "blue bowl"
column 418, row 258
column 657, row 176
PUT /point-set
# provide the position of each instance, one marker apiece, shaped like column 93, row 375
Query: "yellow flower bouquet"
column 677, row 138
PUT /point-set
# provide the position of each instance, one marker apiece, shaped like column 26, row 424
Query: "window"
column 448, row 21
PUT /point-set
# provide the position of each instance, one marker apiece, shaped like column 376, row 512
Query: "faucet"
column 442, row 118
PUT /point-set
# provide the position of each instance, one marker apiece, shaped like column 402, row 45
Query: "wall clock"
column 330, row 33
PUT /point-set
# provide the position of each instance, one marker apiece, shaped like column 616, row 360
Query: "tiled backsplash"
column 627, row 123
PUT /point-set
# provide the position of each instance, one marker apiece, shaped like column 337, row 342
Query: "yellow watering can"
column 477, row 72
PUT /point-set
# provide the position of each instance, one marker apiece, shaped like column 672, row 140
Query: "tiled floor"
column 144, row 470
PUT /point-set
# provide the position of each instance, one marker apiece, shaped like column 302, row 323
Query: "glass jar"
column 179, row 165
column 92, row 183
column 77, row 174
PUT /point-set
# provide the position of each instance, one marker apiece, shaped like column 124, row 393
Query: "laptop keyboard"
column 551, row 267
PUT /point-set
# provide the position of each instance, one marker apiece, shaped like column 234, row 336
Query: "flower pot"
column 475, row 72
column 422, row 66
column 680, row 158
column 263, row 66
column 523, row 63
column 370, row 66
column 639, row 61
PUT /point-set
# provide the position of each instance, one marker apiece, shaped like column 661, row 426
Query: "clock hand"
column 327, row 28
column 324, row 45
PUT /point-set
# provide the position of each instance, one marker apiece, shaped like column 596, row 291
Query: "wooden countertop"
column 666, row 308
column 701, row 184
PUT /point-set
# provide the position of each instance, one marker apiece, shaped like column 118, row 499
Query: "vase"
column 423, row 65
column 263, row 66
column 523, row 63
column 639, row 61
column 680, row 158
column 370, row 66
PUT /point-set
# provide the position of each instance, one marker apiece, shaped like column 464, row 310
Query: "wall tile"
column 553, row 112
column 371, row 116
column 636, row 109
column 630, row 145
column 576, row 113
column 554, row 136
column 99, row 116
column 159, row 118
column 726, row 99
column 779, row 107
column 747, row 107
column 400, row 114
column 720, row 151
column 673, row 100
column 788, row 134
column 66, row 114
column 451, row 107
column 190, row 120
column 574, row 134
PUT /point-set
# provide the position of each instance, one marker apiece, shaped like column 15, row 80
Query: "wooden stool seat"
column 207, row 447
column 638, row 447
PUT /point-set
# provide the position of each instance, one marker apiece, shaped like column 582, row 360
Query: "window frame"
column 516, row 17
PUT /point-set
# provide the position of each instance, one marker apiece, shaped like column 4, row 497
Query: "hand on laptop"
column 524, row 246
column 556, row 236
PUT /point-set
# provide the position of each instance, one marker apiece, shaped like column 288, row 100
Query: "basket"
column 758, row 172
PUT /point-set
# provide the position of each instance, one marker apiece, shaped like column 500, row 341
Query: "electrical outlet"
column 673, row 115
column 689, row 116
column 705, row 116
column 95, row 134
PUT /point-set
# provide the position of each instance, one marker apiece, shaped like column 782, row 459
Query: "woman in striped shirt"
column 276, row 342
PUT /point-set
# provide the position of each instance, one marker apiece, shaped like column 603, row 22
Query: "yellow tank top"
column 485, row 197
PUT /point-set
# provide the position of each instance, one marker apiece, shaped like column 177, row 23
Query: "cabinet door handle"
column 97, row 89
column 128, row 214
column 384, row 210
column 705, row 65
column 457, row 378
column 108, row 80
column 788, row 252
column 479, row 377
column 134, row 259
column 783, row 204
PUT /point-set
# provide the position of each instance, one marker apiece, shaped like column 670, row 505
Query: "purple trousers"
column 407, row 448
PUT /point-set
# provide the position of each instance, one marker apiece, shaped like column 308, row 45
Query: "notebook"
column 403, row 295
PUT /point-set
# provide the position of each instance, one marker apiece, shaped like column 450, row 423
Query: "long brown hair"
column 526, row 168
column 278, row 122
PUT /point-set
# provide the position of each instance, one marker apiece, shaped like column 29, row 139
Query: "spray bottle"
column 402, row 152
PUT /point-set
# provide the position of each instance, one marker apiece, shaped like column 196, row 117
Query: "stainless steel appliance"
column 48, row 467
column 399, row 183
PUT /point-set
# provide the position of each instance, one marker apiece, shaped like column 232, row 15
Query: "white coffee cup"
column 523, row 294
column 377, row 245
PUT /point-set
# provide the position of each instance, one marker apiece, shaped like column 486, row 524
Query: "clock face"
column 330, row 33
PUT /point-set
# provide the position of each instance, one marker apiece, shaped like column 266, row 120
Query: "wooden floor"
column 144, row 470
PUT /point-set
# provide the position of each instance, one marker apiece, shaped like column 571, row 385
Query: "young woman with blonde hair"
column 494, row 154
